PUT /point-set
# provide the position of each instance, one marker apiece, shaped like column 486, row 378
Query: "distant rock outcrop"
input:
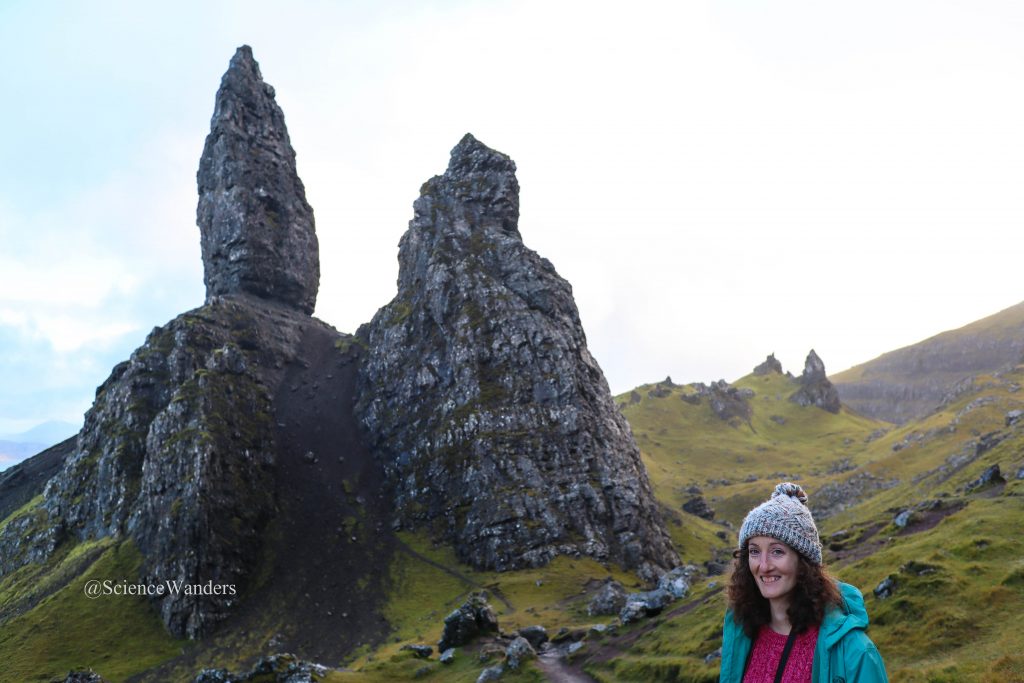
column 496, row 423
column 727, row 402
column 770, row 365
column 815, row 388
column 257, row 229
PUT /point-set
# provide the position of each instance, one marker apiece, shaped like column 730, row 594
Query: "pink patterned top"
column 764, row 660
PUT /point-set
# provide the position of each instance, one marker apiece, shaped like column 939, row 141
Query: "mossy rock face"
column 177, row 453
column 495, row 423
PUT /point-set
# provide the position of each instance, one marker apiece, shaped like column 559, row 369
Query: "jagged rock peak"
column 814, row 368
column 493, row 420
column 815, row 387
column 257, row 230
column 486, row 178
column 771, row 364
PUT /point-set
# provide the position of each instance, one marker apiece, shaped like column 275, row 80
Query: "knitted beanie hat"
column 785, row 516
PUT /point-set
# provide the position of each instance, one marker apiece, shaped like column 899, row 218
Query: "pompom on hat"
column 785, row 516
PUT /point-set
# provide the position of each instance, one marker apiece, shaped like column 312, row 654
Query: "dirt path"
column 556, row 669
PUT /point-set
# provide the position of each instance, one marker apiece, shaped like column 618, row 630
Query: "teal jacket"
column 843, row 654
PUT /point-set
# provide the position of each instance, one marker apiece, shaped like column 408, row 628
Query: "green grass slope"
column 957, row 557
column 958, row 561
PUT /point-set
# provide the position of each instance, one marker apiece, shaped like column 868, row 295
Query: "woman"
column 788, row 620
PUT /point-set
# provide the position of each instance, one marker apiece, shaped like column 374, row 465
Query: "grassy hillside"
column 957, row 563
column 957, row 556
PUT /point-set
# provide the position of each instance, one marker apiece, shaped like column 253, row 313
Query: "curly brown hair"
column 814, row 592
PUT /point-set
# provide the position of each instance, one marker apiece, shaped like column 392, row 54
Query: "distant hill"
column 16, row 447
column 913, row 381
column 47, row 433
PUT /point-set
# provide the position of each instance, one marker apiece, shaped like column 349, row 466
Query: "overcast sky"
column 717, row 180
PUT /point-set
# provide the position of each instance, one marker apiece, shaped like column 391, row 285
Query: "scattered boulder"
column 646, row 604
column 1013, row 417
column 677, row 581
column 448, row 656
column 699, row 506
column 770, row 365
column 475, row 618
column 886, row 588
column 903, row 519
column 284, row 668
column 633, row 611
column 421, row 651
column 536, row 635
column 491, row 673
column 518, row 651
column 82, row 676
column 990, row 477
column 712, row 656
column 610, row 599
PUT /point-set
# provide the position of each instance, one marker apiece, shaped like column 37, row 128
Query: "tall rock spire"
column 495, row 422
column 815, row 388
column 257, row 230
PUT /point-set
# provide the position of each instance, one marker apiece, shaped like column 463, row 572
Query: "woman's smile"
column 774, row 565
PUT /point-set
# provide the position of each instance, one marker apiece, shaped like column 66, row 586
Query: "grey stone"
column 518, row 651
column 83, row 676
column 610, row 599
column 257, row 230
column 815, row 387
column 770, row 365
column 1013, row 417
column 283, row 668
column 474, row 618
column 448, row 656
column 481, row 396
column 699, row 506
column 885, row 588
column 726, row 401
column 536, row 635
column 421, row 651
column 491, row 673
column 902, row 519
column 990, row 477
column 677, row 581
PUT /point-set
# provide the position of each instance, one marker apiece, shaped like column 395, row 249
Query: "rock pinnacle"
column 257, row 230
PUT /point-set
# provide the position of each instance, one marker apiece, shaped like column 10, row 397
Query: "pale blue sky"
column 717, row 180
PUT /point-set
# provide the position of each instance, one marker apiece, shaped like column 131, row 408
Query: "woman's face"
column 774, row 566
